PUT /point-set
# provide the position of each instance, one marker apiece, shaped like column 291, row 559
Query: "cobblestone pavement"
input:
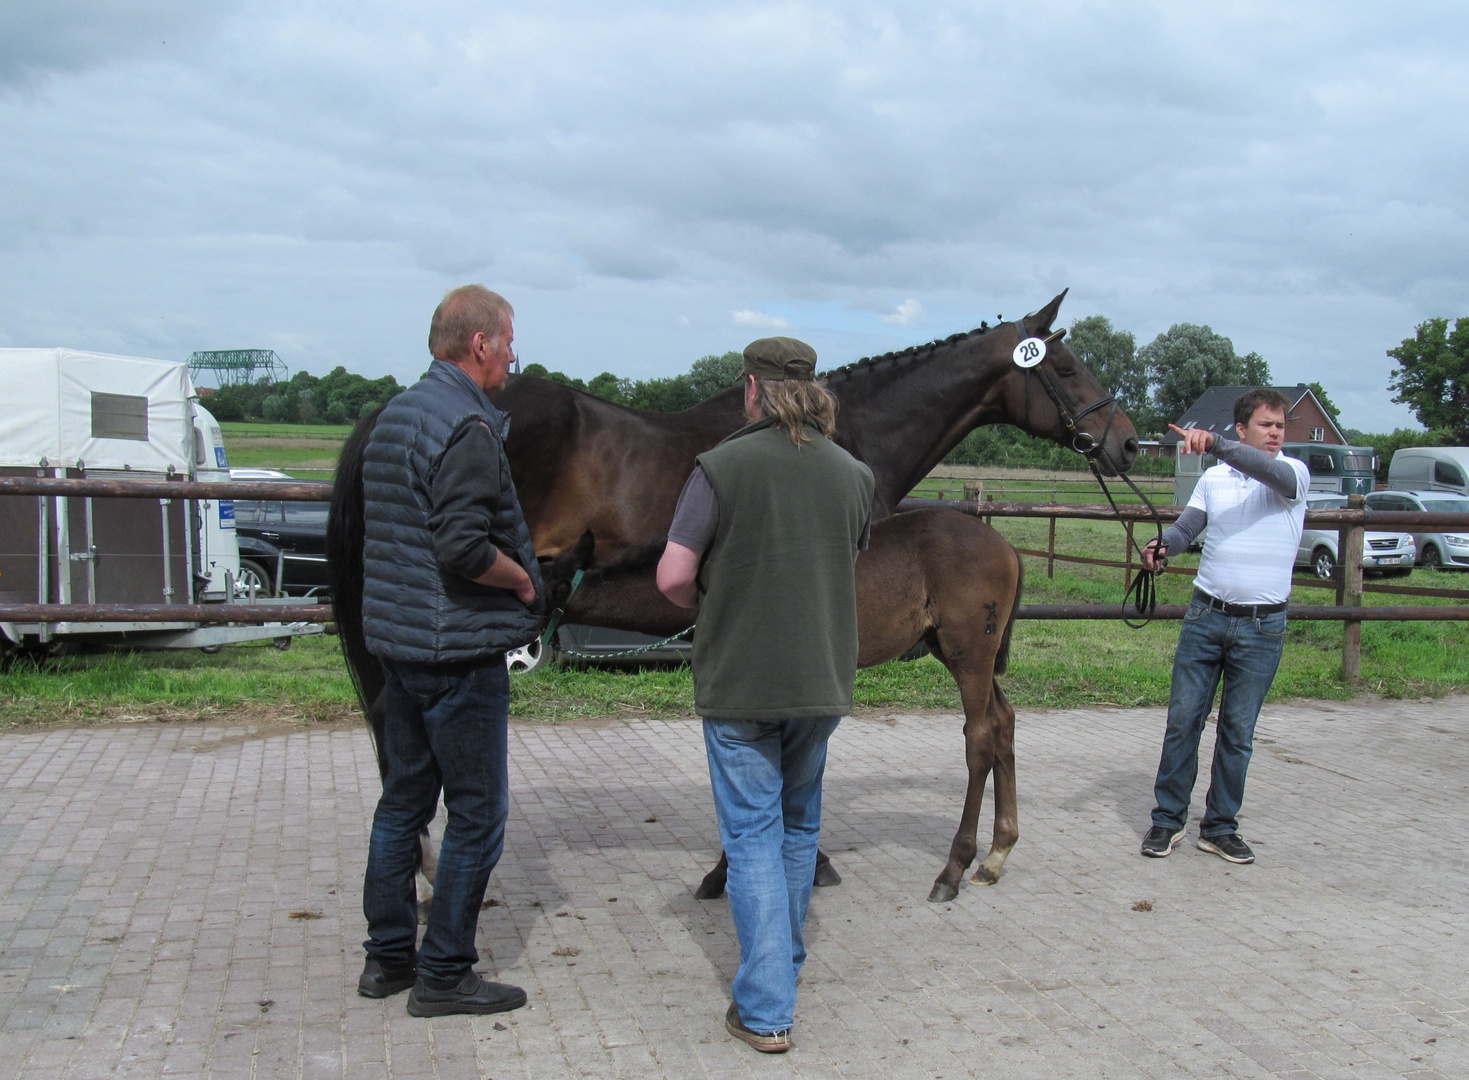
column 185, row 901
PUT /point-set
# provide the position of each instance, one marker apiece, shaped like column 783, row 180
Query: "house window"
column 1318, row 434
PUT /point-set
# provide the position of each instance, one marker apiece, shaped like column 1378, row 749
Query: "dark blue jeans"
column 1244, row 653
column 445, row 730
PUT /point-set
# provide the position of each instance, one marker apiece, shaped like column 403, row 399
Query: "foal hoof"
column 984, row 877
column 711, row 888
column 423, row 909
column 826, row 875
column 941, row 893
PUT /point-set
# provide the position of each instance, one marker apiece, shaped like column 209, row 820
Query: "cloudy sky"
column 651, row 181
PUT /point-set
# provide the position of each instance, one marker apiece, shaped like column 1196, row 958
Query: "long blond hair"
column 796, row 403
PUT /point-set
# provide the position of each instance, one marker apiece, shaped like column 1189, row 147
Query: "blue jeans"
column 1245, row 653
column 766, row 776
column 445, row 729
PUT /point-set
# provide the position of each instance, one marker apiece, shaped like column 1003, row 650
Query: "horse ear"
column 1047, row 315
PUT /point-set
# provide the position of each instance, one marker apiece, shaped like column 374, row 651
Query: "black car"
column 282, row 544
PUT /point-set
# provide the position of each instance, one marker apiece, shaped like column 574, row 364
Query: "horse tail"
column 1002, row 658
column 346, row 529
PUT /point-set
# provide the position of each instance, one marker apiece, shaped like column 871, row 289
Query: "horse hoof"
column 709, row 890
column 984, row 877
column 423, row 908
column 942, row 893
column 826, row 876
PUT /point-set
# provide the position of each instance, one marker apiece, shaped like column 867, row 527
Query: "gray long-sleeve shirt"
column 1269, row 469
column 465, row 495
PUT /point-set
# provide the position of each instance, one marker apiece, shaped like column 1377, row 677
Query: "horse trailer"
column 84, row 415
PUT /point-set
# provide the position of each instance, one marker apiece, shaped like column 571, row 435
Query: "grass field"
column 1055, row 664
column 308, row 451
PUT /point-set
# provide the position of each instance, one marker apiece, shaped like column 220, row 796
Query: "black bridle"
column 1143, row 591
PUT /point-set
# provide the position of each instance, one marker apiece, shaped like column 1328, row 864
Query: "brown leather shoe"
column 778, row 1043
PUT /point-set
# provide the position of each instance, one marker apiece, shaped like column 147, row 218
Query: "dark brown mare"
column 598, row 482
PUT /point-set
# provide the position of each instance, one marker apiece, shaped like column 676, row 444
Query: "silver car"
column 1382, row 552
column 1436, row 550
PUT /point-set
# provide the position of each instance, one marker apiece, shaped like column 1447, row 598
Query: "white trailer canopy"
column 69, row 409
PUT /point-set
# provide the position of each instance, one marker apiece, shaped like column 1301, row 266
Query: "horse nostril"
column 1130, row 447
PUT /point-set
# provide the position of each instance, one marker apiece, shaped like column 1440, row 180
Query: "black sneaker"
column 1230, row 847
column 377, row 981
column 1160, row 841
column 474, row 994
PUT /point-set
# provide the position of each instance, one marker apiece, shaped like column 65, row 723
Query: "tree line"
column 338, row 397
column 1154, row 384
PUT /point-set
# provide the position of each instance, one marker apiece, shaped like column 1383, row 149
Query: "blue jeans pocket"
column 1272, row 626
column 744, row 731
column 1197, row 609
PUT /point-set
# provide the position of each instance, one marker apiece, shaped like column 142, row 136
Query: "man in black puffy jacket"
column 450, row 583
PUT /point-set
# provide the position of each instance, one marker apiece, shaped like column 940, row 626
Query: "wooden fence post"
column 1349, row 594
column 1051, row 550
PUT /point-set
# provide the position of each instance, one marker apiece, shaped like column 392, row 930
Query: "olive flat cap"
column 780, row 358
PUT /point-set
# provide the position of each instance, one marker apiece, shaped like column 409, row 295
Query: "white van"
column 1430, row 468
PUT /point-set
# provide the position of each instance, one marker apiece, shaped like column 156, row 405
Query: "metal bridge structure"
column 238, row 367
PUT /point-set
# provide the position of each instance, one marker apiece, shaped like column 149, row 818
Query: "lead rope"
column 1143, row 592
column 1144, row 588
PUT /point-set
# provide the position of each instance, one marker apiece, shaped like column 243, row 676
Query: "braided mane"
column 912, row 353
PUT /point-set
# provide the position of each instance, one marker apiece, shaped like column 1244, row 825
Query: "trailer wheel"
column 252, row 573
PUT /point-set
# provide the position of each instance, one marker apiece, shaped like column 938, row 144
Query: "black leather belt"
column 1237, row 611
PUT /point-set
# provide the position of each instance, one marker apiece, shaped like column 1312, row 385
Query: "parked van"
column 1430, row 468
column 1337, row 470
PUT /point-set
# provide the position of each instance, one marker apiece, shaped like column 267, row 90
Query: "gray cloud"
column 632, row 174
column 40, row 36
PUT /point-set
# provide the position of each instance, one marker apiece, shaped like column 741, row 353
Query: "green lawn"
column 305, row 450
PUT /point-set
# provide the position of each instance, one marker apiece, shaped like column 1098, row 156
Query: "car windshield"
column 1447, row 506
column 1327, row 504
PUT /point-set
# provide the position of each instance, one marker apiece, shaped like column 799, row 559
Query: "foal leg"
column 1007, row 817
column 979, row 758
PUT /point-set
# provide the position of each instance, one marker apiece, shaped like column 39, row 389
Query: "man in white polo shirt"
column 1254, row 504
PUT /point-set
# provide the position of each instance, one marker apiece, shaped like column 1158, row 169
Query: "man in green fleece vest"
column 763, row 543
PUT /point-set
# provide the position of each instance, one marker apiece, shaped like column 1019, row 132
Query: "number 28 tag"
column 1029, row 352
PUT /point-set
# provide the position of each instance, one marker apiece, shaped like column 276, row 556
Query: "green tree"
column 1255, row 370
column 1111, row 355
column 711, row 374
column 1433, row 376
column 1327, row 404
column 609, row 387
column 1188, row 359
